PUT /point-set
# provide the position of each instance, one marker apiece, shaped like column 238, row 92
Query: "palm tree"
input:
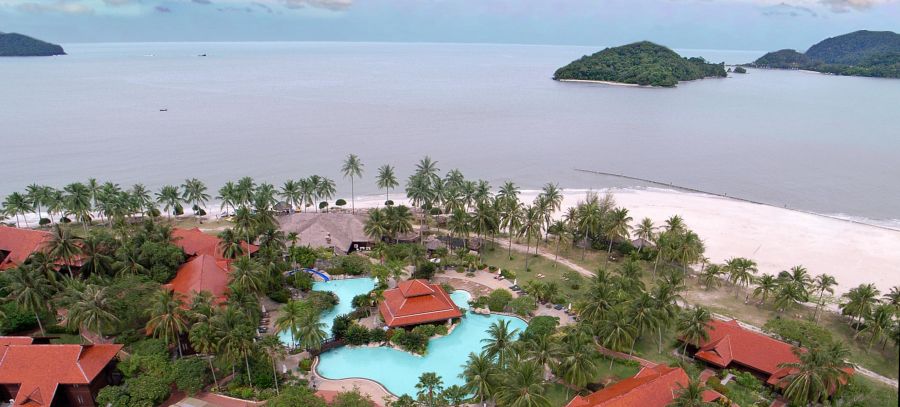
column 616, row 331
column 617, row 228
column 691, row 395
column 560, row 230
column 823, row 283
column 290, row 191
column 765, row 286
column 429, row 387
column 237, row 339
column 692, row 327
column 589, row 219
column 352, row 168
column 37, row 195
column 480, row 376
column 892, row 298
column 230, row 244
column 289, row 318
column 246, row 276
column 30, row 291
column 399, row 221
column 204, row 340
column 860, row 301
column 523, row 386
column 544, row 351
column 15, row 204
column 819, row 373
column 740, row 271
column 228, row 194
column 63, row 246
column 92, row 310
column 168, row 318
column 96, row 256
column 325, row 189
column 274, row 350
column 458, row 224
column 645, row 230
column 644, row 316
column 484, row 220
column 531, row 228
column 245, row 224
column 170, row 198
column 387, row 180
column 578, row 359
column 78, row 202
column 376, row 226
column 195, row 194
column 455, row 395
column 711, row 277
column 499, row 340
column 244, row 191
column 879, row 324
column 311, row 332
column 428, row 168
column 511, row 218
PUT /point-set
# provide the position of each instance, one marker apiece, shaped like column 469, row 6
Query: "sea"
column 157, row 113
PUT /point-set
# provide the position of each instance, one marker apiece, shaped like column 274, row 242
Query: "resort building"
column 341, row 232
column 37, row 375
column 732, row 346
column 17, row 244
column 195, row 243
column 650, row 387
column 202, row 273
column 416, row 302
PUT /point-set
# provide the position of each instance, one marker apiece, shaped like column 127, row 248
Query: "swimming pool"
column 399, row 371
column 345, row 290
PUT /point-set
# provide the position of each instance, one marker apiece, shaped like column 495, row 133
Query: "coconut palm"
column 194, row 193
column 203, row 339
column 96, row 256
column 691, row 395
column 645, row 230
column 63, row 246
column 245, row 225
column 878, row 325
column 499, row 341
column 16, row 204
column 458, row 224
column 78, row 202
column 386, row 180
column 274, row 350
column 577, row 359
column 352, row 168
column 740, row 271
column 325, row 189
column 230, row 244
column 643, row 316
column 511, row 219
column 823, row 283
column 692, row 326
column 244, row 191
column 236, row 337
column 428, row 168
column 820, row 372
column 246, row 275
column 531, row 229
column 589, row 219
column 892, row 298
column 789, row 294
column 711, row 277
column 311, row 332
column 376, row 226
column 560, row 231
column 31, row 291
column 455, row 395
column 168, row 317
column 289, row 318
column 228, row 195
column 544, row 351
column 523, row 386
column 765, row 286
column 92, row 311
column 859, row 302
column 429, row 388
column 616, row 331
column 38, row 196
column 617, row 228
column 290, row 192
column 481, row 376
column 170, row 198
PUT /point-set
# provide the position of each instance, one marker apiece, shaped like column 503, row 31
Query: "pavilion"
column 416, row 302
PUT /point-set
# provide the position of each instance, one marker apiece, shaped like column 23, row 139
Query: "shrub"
column 190, row 374
column 480, row 302
column 448, row 288
column 507, row 274
column 150, row 347
column 425, row 271
column 440, row 329
column 357, row 335
column 340, row 202
column 113, row 396
column 523, row 305
column 426, row 330
column 322, row 301
column 341, row 325
column 305, row 365
column 410, row 341
column 377, row 335
column 361, row 301
column 804, row 333
column 148, row 389
column 498, row 299
column 44, row 222
column 281, row 295
column 352, row 265
column 304, row 256
column 540, row 326
column 296, row 396
column 16, row 319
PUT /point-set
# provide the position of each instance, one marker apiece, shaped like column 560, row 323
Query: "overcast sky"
column 711, row 24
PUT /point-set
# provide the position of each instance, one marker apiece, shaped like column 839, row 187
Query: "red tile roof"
column 20, row 243
column 40, row 369
column 194, row 243
column 416, row 302
column 650, row 387
column 202, row 273
column 729, row 342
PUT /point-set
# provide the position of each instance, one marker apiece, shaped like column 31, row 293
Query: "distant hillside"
column 860, row 53
column 641, row 63
column 18, row 45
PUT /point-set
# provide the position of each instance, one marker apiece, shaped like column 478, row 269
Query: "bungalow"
column 194, row 243
column 729, row 345
column 342, row 232
column 202, row 273
column 17, row 244
column 416, row 302
column 651, row 387
column 37, row 375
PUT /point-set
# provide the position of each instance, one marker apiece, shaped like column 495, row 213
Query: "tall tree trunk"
column 509, row 250
column 556, row 258
column 38, row 318
column 609, row 251
column 584, row 245
column 352, row 197
column 213, row 370
column 247, row 363
column 178, row 344
column 527, row 252
column 275, row 376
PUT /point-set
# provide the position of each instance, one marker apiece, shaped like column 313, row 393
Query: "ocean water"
column 287, row 110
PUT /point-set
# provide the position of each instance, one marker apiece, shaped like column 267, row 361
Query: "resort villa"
column 44, row 375
column 651, row 387
column 17, row 244
column 732, row 346
column 194, row 243
column 416, row 302
column 202, row 273
column 342, row 232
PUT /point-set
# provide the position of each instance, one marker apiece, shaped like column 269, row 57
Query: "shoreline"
column 629, row 85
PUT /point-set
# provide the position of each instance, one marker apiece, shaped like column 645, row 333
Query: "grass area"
column 65, row 339
column 190, row 222
column 537, row 265
column 558, row 394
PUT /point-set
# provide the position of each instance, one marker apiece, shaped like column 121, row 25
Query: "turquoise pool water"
column 345, row 290
column 399, row 371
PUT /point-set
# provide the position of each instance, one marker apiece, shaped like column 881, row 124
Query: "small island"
column 860, row 53
column 642, row 63
column 18, row 45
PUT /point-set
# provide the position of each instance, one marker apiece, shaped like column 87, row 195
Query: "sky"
column 698, row 24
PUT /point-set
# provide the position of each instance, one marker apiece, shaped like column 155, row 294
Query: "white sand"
column 775, row 238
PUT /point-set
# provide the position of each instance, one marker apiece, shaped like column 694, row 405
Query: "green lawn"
column 537, row 265
column 558, row 394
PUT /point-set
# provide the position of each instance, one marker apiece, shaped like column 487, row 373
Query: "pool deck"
column 365, row 386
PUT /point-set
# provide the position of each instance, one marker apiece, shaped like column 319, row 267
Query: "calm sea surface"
column 286, row 110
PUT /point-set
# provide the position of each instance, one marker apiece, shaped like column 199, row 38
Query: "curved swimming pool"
column 399, row 371
column 345, row 290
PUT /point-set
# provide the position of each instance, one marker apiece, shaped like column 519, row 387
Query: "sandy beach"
column 775, row 238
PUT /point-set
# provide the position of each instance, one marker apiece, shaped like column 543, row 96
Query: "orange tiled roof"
column 20, row 243
column 194, row 243
column 650, row 387
column 202, row 273
column 40, row 369
column 417, row 302
column 728, row 342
